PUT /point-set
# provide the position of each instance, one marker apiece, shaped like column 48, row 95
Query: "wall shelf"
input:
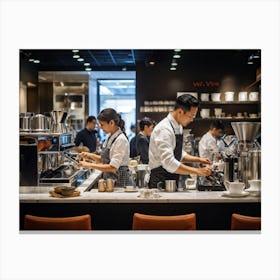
column 228, row 119
column 229, row 103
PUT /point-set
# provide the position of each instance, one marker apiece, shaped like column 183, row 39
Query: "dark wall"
column 46, row 97
column 28, row 72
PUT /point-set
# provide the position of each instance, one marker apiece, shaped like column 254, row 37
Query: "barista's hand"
column 206, row 161
column 83, row 155
column 84, row 164
column 205, row 171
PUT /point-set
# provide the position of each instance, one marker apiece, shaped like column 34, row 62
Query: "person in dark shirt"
column 142, row 139
column 87, row 136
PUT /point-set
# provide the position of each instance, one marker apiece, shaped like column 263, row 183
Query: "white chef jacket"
column 208, row 145
column 163, row 143
column 119, row 151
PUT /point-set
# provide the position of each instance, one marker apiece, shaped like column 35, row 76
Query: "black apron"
column 160, row 174
column 123, row 176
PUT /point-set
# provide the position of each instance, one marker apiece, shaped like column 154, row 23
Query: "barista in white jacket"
column 210, row 144
column 166, row 145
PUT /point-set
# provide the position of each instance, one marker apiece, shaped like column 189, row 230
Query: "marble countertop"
column 41, row 195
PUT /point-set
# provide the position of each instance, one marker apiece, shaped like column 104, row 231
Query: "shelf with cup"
column 229, row 102
column 228, row 119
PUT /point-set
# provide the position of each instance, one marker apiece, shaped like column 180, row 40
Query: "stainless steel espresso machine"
column 248, row 151
column 44, row 158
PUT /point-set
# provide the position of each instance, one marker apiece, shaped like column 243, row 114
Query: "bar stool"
column 66, row 223
column 241, row 222
column 150, row 222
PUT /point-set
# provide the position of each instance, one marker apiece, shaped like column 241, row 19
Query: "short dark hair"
column 185, row 102
column 217, row 124
column 145, row 121
column 90, row 119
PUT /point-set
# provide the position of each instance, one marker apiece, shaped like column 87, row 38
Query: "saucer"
column 242, row 194
column 253, row 192
column 131, row 190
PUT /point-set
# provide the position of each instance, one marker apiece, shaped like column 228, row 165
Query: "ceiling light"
column 250, row 62
column 174, row 63
column 172, row 68
column 152, row 63
column 75, row 51
column 76, row 56
column 176, row 56
column 36, row 61
column 66, row 93
column 256, row 56
column 80, row 59
column 88, row 69
column 31, row 59
column 124, row 69
column 177, row 50
column 87, row 64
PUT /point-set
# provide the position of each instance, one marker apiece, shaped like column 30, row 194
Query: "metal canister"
column 101, row 185
column 255, row 164
column 110, row 185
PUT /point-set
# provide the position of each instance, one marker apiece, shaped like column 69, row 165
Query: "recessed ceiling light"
column 31, row 59
column 87, row 64
column 66, row 93
column 76, row 56
column 177, row 50
column 36, row 61
column 124, row 68
column 88, row 69
column 80, row 59
column 256, row 56
column 172, row 68
column 152, row 63
column 176, row 56
column 174, row 63
column 250, row 62
column 75, row 51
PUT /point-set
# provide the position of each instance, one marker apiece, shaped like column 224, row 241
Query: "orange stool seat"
column 150, row 222
column 69, row 223
column 241, row 222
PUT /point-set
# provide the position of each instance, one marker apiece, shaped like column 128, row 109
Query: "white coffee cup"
column 205, row 113
column 229, row 95
column 255, row 185
column 218, row 112
column 204, row 96
column 254, row 96
column 216, row 97
column 190, row 183
column 234, row 187
column 242, row 96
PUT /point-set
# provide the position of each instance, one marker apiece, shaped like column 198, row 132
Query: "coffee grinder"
column 248, row 151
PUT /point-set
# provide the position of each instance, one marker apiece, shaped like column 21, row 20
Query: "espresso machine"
column 248, row 151
column 44, row 156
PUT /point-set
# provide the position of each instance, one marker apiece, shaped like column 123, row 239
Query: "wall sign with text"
column 206, row 83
